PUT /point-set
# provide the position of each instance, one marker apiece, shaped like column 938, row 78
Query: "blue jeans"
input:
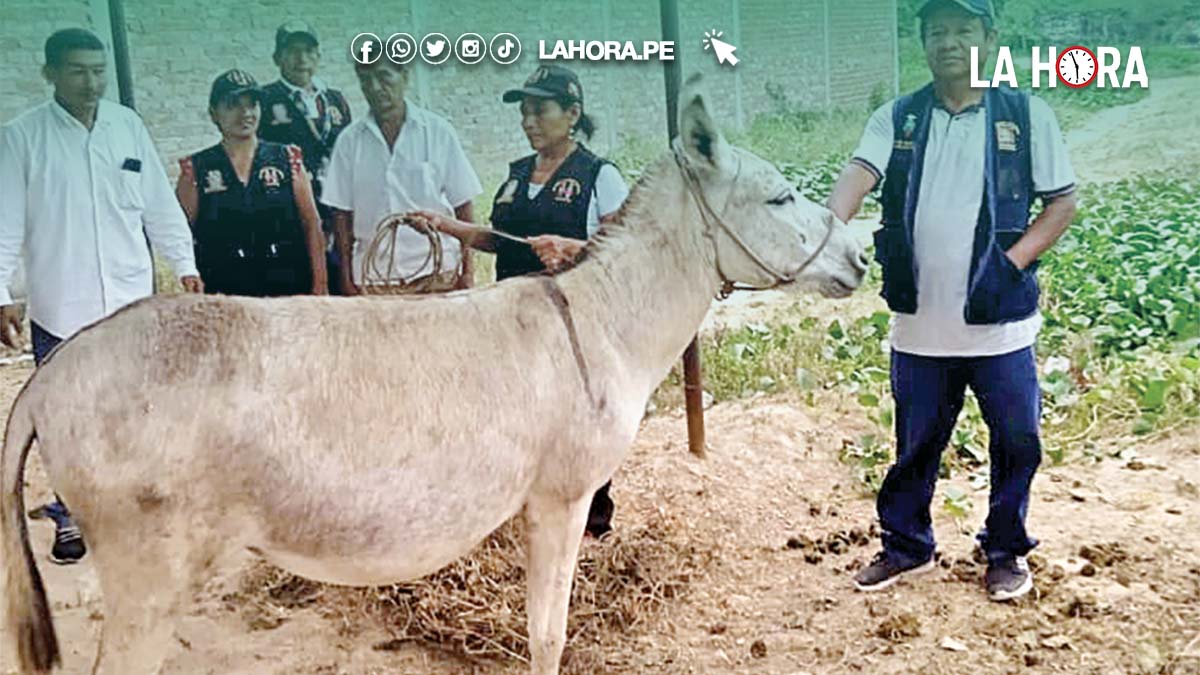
column 43, row 343
column 929, row 395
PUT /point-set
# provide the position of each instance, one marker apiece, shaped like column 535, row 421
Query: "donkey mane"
column 613, row 234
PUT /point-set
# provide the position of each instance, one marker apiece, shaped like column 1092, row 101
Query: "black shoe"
column 68, row 546
column 1008, row 580
column 881, row 573
column 599, row 522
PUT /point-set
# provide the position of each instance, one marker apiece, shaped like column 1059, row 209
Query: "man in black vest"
column 298, row 109
column 960, row 169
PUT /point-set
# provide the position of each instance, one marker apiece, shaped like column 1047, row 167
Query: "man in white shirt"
column 82, row 187
column 960, row 169
column 397, row 159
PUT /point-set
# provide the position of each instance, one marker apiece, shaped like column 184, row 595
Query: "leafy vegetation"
column 1119, row 353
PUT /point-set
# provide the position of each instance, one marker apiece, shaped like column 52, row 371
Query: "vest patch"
column 1007, row 136
column 279, row 114
column 566, row 189
column 271, row 176
column 508, row 192
column 214, row 182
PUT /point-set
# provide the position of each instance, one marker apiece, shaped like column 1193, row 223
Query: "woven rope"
column 379, row 273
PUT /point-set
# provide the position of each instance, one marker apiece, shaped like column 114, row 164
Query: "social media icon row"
column 434, row 48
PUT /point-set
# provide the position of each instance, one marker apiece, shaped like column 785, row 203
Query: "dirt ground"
column 1118, row 571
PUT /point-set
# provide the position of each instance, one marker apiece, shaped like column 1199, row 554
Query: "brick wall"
column 811, row 53
column 24, row 27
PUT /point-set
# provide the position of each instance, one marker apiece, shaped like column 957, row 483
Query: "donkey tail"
column 27, row 612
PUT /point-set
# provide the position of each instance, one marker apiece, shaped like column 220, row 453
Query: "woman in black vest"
column 250, row 203
column 555, row 198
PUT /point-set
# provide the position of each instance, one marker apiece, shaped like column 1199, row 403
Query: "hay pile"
column 475, row 607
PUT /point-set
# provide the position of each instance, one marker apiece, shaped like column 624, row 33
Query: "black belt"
column 272, row 251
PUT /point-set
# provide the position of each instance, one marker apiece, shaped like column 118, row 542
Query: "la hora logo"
column 1076, row 67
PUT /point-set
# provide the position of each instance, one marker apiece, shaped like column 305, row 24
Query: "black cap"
column 232, row 84
column 291, row 29
column 548, row 82
column 981, row 8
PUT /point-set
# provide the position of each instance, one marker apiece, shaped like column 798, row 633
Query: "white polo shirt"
column 426, row 169
column 944, row 229
column 74, row 204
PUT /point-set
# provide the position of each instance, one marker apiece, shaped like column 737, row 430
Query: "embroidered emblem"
column 566, row 189
column 506, row 195
column 270, row 176
column 910, row 125
column 537, row 76
column 573, row 90
column 214, row 182
column 335, row 116
column 279, row 114
column 239, row 78
column 1007, row 135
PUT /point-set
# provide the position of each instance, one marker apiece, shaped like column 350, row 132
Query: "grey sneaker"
column 881, row 573
column 1008, row 580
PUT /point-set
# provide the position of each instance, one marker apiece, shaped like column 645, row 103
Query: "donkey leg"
column 142, row 576
column 555, row 528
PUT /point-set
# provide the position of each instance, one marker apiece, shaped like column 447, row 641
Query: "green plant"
column 1119, row 351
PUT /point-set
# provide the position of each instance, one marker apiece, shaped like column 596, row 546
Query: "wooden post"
column 693, row 388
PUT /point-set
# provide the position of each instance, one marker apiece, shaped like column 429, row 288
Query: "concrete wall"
column 808, row 53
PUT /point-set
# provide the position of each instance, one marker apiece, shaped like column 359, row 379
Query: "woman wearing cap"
column 555, row 198
column 250, row 204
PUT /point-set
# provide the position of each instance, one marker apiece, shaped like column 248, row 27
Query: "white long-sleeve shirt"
column 74, row 205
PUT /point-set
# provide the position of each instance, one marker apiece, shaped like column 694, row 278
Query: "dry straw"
column 475, row 608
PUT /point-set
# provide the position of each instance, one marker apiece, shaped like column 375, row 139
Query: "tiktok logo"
column 505, row 48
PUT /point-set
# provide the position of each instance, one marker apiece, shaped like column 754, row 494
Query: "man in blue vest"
column 960, row 168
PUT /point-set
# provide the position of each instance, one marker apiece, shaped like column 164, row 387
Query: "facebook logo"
column 366, row 48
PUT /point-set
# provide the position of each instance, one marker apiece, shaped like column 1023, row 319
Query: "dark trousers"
column 43, row 343
column 929, row 396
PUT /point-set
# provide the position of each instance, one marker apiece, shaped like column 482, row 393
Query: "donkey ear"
column 702, row 140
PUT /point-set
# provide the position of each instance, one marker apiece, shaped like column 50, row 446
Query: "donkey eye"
column 784, row 198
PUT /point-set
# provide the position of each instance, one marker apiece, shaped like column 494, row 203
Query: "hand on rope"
column 380, row 275
column 556, row 252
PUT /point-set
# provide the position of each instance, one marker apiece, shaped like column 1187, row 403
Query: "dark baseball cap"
column 292, row 29
column 551, row 81
column 980, row 8
column 231, row 84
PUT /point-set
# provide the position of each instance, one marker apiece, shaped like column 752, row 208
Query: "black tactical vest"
column 560, row 208
column 249, row 238
column 284, row 121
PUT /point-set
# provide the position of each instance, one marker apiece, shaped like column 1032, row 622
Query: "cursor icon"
column 721, row 48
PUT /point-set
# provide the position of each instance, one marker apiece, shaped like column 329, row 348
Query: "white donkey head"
column 766, row 234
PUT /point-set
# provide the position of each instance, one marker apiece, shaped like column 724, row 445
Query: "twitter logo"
column 435, row 48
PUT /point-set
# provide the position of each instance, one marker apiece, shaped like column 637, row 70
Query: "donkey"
column 362, row 442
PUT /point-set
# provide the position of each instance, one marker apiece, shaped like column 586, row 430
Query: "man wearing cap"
column 960, row 170
column 82, row 188
column 298, row 109
column 397, row 159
